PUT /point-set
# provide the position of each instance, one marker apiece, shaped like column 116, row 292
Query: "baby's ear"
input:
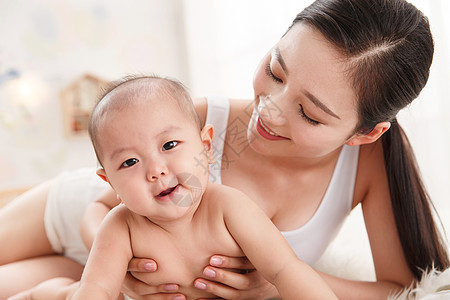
column 207, row 136
column 102, row 174
column 372, row 136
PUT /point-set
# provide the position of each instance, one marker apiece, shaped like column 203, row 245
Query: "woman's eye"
column 305, row 117
column 271, row 75
column 169, row 145
column 129, row 162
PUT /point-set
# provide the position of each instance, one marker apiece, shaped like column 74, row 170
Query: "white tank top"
column 310, row 240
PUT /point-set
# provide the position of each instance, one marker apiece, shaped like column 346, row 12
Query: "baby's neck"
column 176, row 226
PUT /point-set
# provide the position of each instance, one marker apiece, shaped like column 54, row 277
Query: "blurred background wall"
column 212, row 46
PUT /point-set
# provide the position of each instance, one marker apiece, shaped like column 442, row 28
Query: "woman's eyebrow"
column 320, row 104
column 280, row 60
column 310, row 96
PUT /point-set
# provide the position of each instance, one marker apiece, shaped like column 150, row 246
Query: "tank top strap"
column 217, row 115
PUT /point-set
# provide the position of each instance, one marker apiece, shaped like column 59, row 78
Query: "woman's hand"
column 135, row 287
column 234, row 278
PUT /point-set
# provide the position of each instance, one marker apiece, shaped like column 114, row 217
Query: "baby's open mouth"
column 167, row 191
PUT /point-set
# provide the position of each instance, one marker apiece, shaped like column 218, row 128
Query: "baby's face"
column 154, row 157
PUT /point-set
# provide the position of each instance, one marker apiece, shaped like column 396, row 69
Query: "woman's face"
column 304, row 102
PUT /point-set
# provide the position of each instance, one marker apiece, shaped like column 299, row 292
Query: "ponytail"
column 422, row 243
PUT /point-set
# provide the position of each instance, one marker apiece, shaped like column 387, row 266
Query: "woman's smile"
column 266, row 132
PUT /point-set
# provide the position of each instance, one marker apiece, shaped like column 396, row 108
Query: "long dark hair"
column 389, row 48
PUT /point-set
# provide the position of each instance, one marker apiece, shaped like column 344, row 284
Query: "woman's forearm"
column 297, row 280
column 353, row 289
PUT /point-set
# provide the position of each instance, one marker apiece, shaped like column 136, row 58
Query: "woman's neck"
column 290, row 164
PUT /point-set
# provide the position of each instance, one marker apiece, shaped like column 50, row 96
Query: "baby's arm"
column 266, row 248
column 60, row 288
column 95, row 213
column 108, row 260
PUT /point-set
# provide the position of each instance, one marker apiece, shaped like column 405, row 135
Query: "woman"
column 322, row 137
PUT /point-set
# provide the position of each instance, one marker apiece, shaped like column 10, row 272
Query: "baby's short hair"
column 116, row 97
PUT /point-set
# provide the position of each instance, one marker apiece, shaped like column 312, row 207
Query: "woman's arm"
column 389, row 259
column 232, row 285
column 372, row 191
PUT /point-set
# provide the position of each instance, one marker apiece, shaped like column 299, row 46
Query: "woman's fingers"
column 161, row 297
column 231, row 262
column 230, row 285
column 220, row 290
column 137, row 264
column 230, row 278
column 137, row 289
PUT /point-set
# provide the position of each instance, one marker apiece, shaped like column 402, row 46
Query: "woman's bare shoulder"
column 371, row 171
column 201, row 106
column 241, row 106
column 238, row 107
column 371, row 155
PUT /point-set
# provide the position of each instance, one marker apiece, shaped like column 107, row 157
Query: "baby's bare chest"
column 181, row 258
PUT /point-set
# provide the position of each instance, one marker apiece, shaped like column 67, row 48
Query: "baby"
column 154, row 153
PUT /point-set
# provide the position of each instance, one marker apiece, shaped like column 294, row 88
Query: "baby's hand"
column 52, row 289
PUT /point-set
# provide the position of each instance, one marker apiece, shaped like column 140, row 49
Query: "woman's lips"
column 266, row 132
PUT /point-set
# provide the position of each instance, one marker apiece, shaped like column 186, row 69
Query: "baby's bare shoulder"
column 222, row 195
column 120, row 212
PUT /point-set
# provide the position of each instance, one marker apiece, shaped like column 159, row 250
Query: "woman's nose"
column 270, row 109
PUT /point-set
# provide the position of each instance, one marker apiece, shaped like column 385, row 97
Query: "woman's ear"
column 372, row 136
column 207, row 136
column 102, row 174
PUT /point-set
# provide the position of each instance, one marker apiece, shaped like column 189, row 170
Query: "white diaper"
column 68, row 198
